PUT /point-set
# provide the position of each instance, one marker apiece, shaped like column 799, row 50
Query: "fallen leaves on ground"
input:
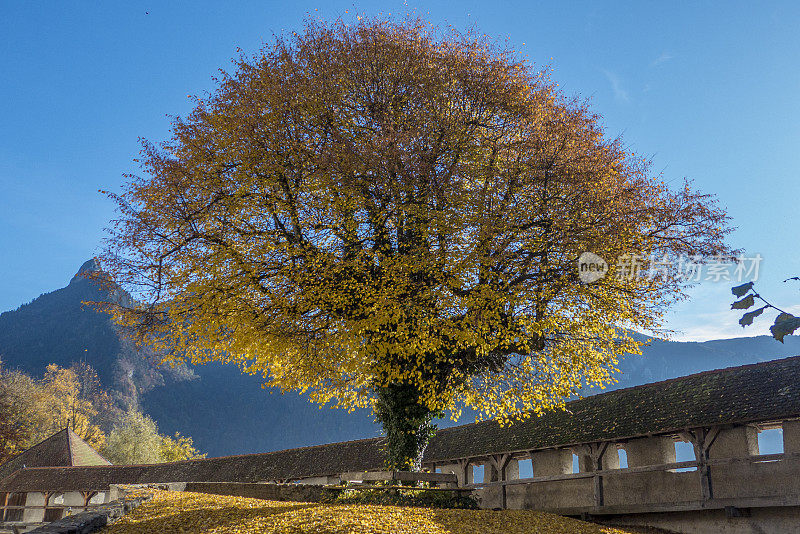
column 186, row 512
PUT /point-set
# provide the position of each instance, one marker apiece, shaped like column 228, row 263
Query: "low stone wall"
column 94, row 520
column 292, row 492
column 271, row 492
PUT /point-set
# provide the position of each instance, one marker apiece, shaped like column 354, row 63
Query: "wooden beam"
column 596, row 452
column 501, row 463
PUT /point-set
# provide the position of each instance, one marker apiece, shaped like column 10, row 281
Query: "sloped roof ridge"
column 48, row 438
column 70, row 433
column 702, row 373
column 73, row 440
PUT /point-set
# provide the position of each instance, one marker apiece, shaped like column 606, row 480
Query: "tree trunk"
column 407, row 423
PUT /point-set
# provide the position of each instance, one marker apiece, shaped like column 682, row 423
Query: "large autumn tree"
column 387, row 215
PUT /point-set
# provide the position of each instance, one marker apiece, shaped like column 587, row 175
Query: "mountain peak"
column 88, row 266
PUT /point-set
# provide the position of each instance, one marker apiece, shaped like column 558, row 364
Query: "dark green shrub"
column 399, row 496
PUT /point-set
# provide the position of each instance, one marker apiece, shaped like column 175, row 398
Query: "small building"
column 63, row 449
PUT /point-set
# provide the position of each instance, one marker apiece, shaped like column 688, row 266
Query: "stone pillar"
column 736, row 442
column 791, row 436
column 490, row 473
column 551, row 462
column 650, row 451
column 512, row 470
column 468, row 475
column 611, row 457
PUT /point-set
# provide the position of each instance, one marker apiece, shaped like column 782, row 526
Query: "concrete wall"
column 732, row 481
column 277, row 492
column 94, row 520
column 549, row 495
column 739, row 481
column 752, row 480
column 652, row 487
column 320, row 481
column 512, row 470
column 621, row 488
column 73, row 498
column 490, row 474
column 778, row 520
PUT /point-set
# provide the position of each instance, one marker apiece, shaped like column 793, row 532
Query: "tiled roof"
column 768, row 391
column 64, row 448
column 320, row 460
column 762, row 392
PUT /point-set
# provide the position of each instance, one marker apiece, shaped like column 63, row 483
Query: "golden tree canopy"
column 382, row 203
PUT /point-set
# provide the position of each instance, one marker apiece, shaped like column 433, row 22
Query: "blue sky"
column 709, row 90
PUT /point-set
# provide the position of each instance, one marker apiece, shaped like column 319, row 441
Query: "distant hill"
column 229, row 413
column 662, row 360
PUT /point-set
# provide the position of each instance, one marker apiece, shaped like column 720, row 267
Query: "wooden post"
column 87, row 496
column 596, row 452
column 463, row 465
column 701, row 440
column 500, row 462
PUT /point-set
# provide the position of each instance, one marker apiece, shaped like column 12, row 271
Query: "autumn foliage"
column 32, row 410
column 388, row 215
column 195, row 513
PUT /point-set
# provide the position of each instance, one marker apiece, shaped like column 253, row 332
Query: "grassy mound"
column 197, row 512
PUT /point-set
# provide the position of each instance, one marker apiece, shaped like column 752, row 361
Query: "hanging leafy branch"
column 785, row 323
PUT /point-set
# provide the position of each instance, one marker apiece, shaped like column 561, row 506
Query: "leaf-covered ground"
column 196, row 512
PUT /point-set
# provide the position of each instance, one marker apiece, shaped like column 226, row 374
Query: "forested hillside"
column 59, row 328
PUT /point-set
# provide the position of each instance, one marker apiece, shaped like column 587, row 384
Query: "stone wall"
column 273, row 492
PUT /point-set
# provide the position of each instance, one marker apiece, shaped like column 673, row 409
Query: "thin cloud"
column 663, row 58
column 616, row 84
column 723, row 325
